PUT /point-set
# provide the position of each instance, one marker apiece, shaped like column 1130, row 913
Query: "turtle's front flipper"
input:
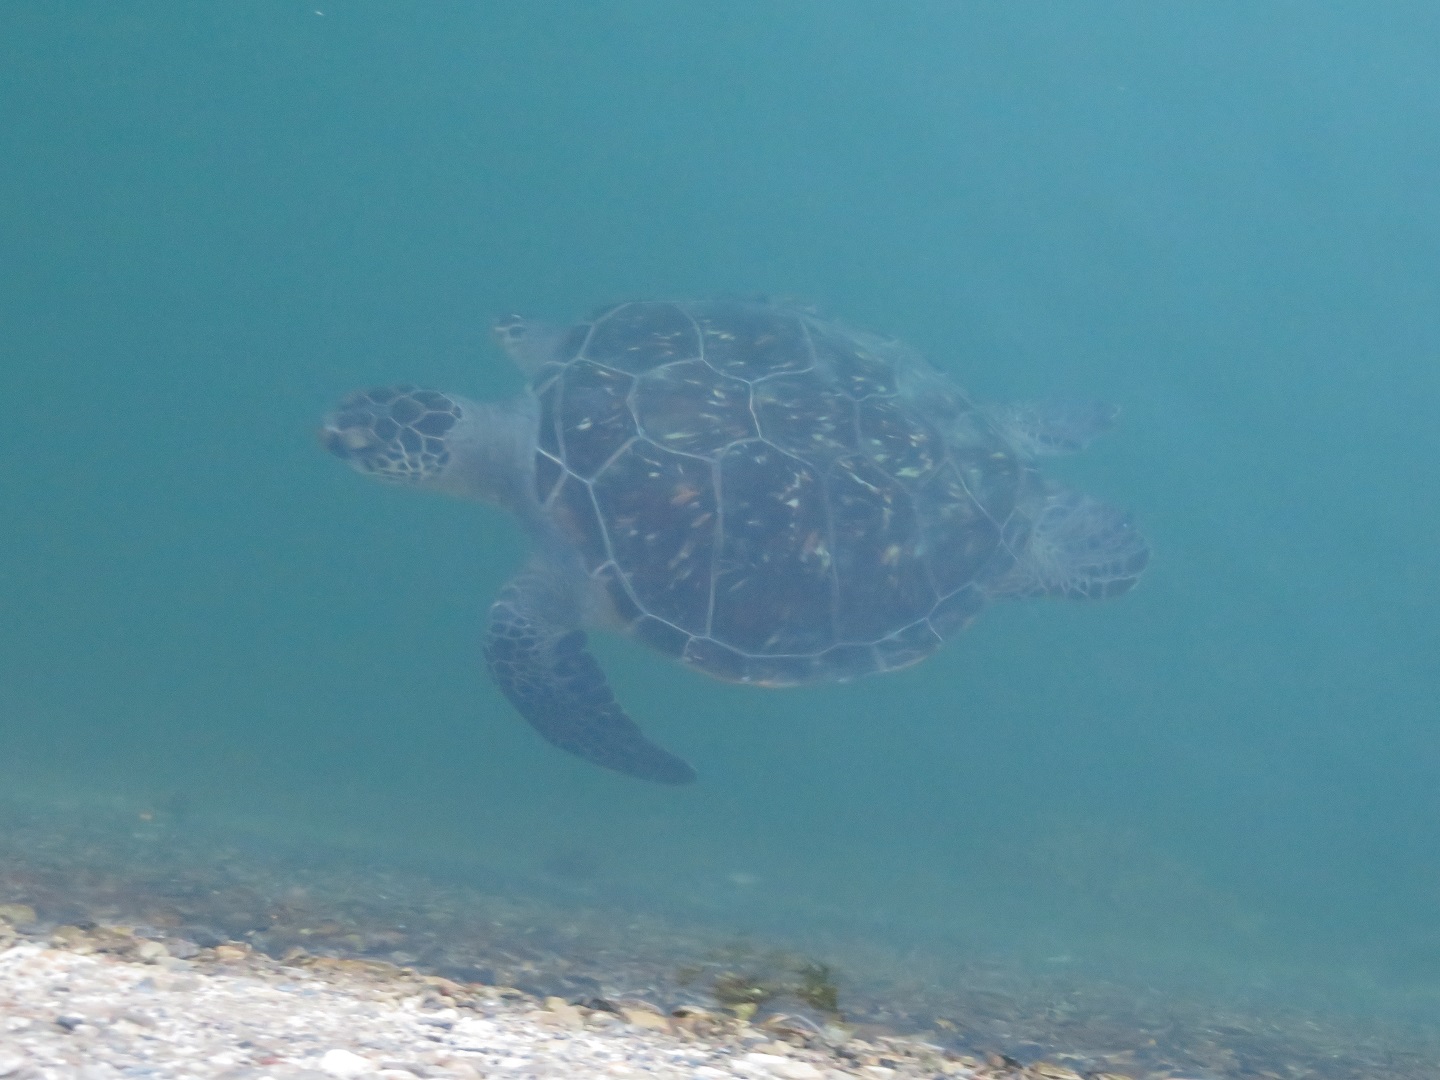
column 543, row 667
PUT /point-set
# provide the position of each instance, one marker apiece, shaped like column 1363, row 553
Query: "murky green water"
column 214, row 219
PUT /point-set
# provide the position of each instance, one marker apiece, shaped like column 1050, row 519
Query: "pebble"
column 762, row 1065
column 17, row 915
column 344, row 1064
column 644, row 1018
column 797, row 1070
column 150, row 951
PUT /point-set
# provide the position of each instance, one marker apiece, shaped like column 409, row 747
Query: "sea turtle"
column 767, row 496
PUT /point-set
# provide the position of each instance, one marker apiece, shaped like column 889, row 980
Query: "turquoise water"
column 214, row 220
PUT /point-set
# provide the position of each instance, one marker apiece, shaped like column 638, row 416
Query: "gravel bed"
column 238, row 1016
column 253, row 959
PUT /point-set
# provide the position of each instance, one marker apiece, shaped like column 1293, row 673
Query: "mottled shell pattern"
column 770, row 497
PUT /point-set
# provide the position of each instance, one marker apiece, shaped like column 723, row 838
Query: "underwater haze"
column 215, row 220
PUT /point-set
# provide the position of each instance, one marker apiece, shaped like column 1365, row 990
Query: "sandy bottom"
column 96, row 1016
column 133, row 946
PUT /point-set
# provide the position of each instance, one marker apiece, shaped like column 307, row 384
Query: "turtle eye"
column 335, row 442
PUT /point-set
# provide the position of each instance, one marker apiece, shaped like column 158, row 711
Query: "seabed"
column 145, row 884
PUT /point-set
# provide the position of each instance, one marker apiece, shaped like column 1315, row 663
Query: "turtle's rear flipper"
column 1047, row 428
column 553, row 681
column 1078, row 547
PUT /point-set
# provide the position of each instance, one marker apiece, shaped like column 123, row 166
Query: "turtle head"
column 422, row 438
